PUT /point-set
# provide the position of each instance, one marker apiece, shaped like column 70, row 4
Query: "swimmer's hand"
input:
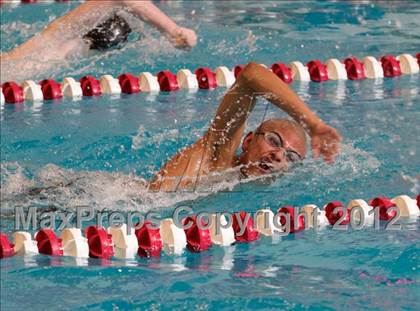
column 183, row 38
column 325, row 141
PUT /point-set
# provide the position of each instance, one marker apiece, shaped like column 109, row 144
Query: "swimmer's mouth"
column 266, row 167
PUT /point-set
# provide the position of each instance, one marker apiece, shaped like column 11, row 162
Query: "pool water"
column 104, row 144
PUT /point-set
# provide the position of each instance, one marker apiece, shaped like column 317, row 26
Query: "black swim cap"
column 111, row 32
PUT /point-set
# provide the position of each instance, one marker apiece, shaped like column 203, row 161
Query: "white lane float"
column 224, row 76
column 74, row 244
column 336, row 69
column 265, row 222
column 32, row 91
column 408, row 64
column 187, row 80
column 148, row 82
column 363, row 207
column 13, row 3
column 109, row 85
column 173, row 237
column 221, row 233
column 407, row 206
column 24, row 244
column 321, row 218
column 71, row 88
column 373, row 68
column 2, row 100
column 125, row 244
column 299, row 71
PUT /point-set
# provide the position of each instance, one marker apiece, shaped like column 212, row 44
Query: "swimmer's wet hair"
column 110, row 33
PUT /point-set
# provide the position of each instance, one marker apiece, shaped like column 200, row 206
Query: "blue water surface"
column 118, row 139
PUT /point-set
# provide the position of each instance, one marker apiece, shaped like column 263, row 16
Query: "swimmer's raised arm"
column 226, row 130
column 216, row 150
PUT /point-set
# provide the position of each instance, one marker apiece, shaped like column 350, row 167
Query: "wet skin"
column 260, row 156
column 262, row 153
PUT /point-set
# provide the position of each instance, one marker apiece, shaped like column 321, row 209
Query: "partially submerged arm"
column 48, row 43
column 148, row 12
column 83, row 18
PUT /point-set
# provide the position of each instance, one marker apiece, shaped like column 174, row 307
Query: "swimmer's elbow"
column 250, row 72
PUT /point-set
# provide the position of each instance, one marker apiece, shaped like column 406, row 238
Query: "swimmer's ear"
column 247, row 140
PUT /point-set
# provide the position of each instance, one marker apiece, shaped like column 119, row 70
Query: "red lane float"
column 418, row 201
column 206, row 78
column 418, row 58
column 90, row 86
column 129, row 83
column 290, row 210
column 283, row 72
column 100, row 242
column 250, row 233
column 333, row 217
column 198, row 240
column 149, row 240
column 48, row 243
column 6, row 248
column 167, row 81
column 237, row 70
column 391, row 66
column 51, row 89
column 12, row 92
column 317, row 71
column 355, row 69
column 384, row 204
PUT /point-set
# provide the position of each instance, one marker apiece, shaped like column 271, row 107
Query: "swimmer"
column 273, row 147
column 89, row 27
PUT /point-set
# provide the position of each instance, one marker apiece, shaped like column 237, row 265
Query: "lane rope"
column 149, row 241
column 204, row 78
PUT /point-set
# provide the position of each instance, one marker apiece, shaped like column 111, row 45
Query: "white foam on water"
column 13, row 179
column 57, row 187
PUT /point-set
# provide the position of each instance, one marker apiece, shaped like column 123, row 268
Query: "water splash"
column 60, row 188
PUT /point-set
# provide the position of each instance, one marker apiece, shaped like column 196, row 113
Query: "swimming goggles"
column 275, row 141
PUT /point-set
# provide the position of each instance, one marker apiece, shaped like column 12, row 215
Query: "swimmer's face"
column 273, row 147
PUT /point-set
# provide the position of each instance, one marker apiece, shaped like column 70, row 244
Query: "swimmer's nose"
column 277, row 158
